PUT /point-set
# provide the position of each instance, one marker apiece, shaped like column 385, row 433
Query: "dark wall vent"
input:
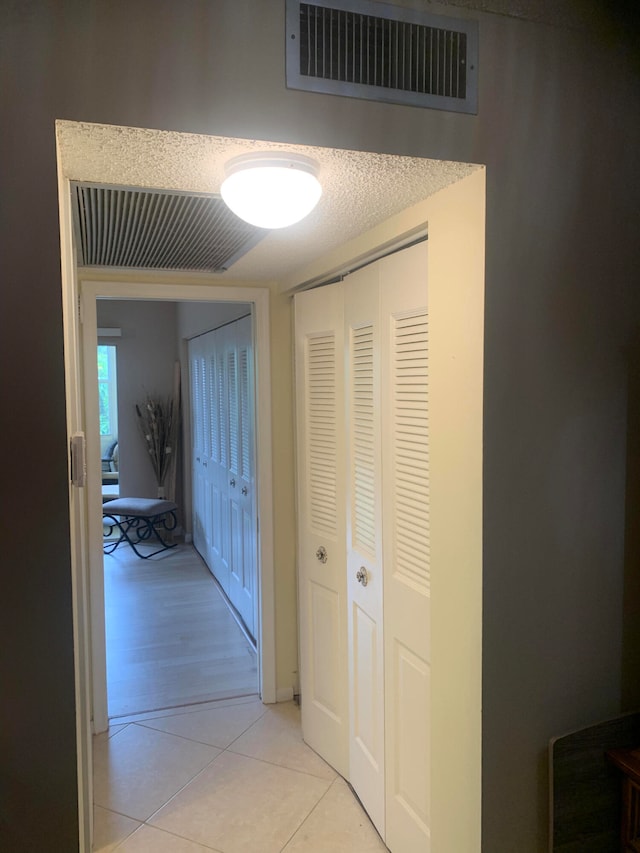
column 372, row 50
column 157, row 230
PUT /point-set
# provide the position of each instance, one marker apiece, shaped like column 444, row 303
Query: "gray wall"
column 559, row 129
column 146, row 355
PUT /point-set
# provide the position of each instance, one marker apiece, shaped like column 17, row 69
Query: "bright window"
column 107, row 390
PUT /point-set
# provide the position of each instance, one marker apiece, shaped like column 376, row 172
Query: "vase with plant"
column 158, row 422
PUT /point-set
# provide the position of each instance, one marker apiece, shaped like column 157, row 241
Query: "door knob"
column 232, row 483
column 245, row 490
column 321, row 554
column 362, row 576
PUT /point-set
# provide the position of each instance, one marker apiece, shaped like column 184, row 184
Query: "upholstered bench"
column 139, row 520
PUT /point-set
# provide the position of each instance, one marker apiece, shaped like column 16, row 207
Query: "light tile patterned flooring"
column 233, row 777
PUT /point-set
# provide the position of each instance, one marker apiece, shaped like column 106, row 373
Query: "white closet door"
column 215, row 377
column 407, row 605
column 364, row 543
column 319, row 343
column 197, row 380
column 243, row 575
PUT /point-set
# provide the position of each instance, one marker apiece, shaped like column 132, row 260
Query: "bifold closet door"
column 218, row 559
column 199, row 429
column 240, row 474
column 364, row 542
column 405, row 535
column 223, row 415
column 319, row 350
column 364, row 582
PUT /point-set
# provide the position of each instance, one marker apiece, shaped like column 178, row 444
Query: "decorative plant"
column 158, row 422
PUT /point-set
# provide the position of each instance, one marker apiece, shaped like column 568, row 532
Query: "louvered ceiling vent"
column 380, row 52
column 150, row 229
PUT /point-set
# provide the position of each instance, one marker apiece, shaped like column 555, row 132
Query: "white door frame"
column 90, row 291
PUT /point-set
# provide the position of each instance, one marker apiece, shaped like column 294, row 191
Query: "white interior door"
column 224, row 500
column 216, row 560
column 364, row 543
column 319, row 343
column 197, row 381
column 405, row 513
column 243, row 574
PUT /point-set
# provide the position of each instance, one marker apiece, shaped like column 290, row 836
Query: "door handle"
column 205, row 463
column 362, row 576
column 321, row 554
column 232, row 483
column 245, row 491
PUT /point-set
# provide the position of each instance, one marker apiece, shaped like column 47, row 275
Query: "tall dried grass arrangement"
column 158, row 422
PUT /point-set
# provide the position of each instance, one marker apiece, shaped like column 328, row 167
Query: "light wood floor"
column 171, row 639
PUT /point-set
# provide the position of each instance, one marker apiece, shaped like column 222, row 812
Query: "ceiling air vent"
column 157, row 229
column 385, row 53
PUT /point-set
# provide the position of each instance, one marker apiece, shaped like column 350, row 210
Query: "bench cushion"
column 138, row 507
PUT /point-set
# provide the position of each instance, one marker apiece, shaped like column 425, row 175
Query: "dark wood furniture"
column 628, row 762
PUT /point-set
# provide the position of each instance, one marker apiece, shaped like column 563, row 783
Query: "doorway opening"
column 340, row 238
column 196, row 300
column 175, row 633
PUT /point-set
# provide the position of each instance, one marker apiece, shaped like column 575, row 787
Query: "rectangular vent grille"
column 152, row 229
column 410, row 418
column 371, row 50
column 321, row 426
column 363, row 485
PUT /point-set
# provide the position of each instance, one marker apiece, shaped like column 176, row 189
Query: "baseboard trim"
column 284, row 694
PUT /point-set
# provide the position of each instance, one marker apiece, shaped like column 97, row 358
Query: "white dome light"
column 271, row 190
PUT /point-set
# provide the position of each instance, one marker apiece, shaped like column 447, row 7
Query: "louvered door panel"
column 364, row 546
column 411, row 443
column 319, row 351
column 233, row 409
column 320, row 362
column 407, row 605
column 363, row 449
column 246, row 451
column 214, row 414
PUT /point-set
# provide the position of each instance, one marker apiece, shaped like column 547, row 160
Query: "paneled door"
column 218, row 418
column 199, row 430
column 405, row 534
column 242, row 575
column 319, row 344
column 364, row 577
column 224, row 504
column 364, row 542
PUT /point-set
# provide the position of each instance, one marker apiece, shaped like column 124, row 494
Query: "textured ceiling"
column 360, row 190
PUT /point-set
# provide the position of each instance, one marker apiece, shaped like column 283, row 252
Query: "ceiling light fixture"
column 271, row 190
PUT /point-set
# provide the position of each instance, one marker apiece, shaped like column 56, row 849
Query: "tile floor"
column 232, row 777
